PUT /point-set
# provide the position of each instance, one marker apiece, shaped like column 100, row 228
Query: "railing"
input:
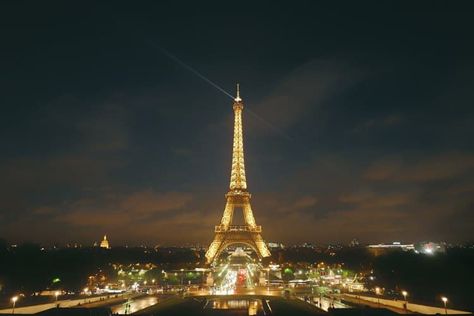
column 238, row 228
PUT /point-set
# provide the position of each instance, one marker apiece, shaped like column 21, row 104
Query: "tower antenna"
column 237, row 98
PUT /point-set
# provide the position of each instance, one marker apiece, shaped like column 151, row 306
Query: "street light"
column 86, row 289
column 268, row 279
column 405, row 294
column 445, row 300
column 14, row 299
column 378, row 292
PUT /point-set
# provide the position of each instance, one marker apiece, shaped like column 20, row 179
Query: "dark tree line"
column 27, row 268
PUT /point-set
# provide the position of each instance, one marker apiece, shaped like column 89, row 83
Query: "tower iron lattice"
column 238, row 196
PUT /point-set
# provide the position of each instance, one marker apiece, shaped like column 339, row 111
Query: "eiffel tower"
column 227, row 234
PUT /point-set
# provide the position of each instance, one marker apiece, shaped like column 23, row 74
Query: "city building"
column 275, row 245
column 354, row 243
column 379, row 249
column 430, row 248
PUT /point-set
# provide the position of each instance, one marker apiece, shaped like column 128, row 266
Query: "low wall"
column 62, row 303
column 416, row 308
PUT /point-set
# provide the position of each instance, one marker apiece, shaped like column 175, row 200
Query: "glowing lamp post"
column 378, row 291
column 14, row 299
column 405, row 294
column 56, row 294
column 86, row 289
column 268, row 279
column 445, row 301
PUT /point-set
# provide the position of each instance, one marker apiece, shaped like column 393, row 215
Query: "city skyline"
column 351, row 131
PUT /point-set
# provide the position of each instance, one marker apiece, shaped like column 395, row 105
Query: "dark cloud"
column 299, row 93
column 437, row 167
column 355, row 125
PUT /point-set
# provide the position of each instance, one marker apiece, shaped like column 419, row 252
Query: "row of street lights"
column 444, row 299
column 378, row 292
column 15, row 298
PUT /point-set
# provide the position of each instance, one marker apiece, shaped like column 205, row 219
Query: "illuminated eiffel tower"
column 227, row 234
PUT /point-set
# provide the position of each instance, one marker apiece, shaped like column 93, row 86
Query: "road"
column 259, row 290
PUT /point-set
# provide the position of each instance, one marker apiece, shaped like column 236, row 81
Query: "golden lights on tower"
column 227, row 234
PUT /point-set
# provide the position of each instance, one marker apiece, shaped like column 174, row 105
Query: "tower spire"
column 237, row 98
column 237, row 175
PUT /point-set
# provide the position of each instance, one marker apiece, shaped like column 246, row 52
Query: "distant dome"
column 105, row 243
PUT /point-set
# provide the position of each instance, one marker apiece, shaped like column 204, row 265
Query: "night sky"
column 358, row 119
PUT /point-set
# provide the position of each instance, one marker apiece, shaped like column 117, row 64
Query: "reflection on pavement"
column 134, row 305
